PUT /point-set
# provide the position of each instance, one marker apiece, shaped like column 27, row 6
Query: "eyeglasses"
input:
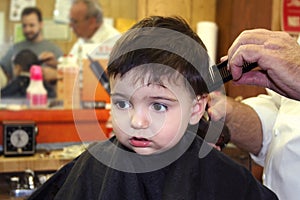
column 76, row 21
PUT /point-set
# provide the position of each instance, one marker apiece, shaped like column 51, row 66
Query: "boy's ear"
column 198, row 109
column 17, row 69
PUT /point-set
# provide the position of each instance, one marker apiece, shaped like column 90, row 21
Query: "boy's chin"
column 148, row 151
column 145, row 151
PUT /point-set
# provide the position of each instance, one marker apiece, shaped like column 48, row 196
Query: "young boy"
column 18, row 86
column 158, row 95
column 22, row 63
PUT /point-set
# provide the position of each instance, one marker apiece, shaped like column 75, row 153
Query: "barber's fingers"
column 48, row 58
column 247, row 54
column 223, row 58
column 214, row 97
column 49, row 73
column 216, row 106
column 260, row 39
column 215, row 114
column 255, row 36
column 46, row 55
column 273, row 42
column 260, row 78
column 255, row 77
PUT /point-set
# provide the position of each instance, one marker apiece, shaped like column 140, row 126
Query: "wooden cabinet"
column 234, row 16
column 58, row 126
column 192, row 11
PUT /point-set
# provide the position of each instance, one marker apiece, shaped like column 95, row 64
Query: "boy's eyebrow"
column 151, row 97
column 163, row 98
column 118, row 94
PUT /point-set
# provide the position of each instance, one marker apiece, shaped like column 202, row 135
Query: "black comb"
column 220, row 75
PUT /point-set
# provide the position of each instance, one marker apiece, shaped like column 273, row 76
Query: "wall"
column 234, row 16
column 276, row 15
column 192, row 10
column 115, row 9
column 47, row 10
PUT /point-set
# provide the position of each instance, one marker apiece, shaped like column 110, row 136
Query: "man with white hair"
column 86, row 20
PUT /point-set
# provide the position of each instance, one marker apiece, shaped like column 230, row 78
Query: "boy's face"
column 150, row 118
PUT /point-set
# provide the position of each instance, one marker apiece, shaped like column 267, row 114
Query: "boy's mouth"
column 139, row 142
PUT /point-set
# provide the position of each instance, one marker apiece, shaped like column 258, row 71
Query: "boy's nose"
column 140, row 119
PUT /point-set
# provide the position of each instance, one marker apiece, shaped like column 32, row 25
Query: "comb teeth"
column 220, row 74
column 248, row 66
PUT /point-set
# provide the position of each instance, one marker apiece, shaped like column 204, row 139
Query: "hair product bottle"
column 36, row 92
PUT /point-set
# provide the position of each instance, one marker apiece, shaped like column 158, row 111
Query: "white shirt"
column 280, row 153
column 3, row 79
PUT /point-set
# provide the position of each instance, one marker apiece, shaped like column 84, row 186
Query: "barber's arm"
column 48, row 59
column 242, row 121
column 49, row 73
column 49, row 68
column 277, row 55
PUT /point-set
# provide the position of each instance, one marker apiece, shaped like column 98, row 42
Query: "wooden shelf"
column 37, row 162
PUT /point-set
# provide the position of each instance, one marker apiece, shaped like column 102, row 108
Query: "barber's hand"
column 278, row 56
column 49, row 73
column 216, row 106
column 48, row 58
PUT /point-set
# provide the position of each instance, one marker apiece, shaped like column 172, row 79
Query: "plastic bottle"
column 68, row 87
column 36, row 92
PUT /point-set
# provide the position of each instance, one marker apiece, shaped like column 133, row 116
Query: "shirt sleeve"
column 6, row 63
column 266, row 106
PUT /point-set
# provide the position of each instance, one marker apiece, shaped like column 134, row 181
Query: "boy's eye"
column 159, row 107
column 122, row 104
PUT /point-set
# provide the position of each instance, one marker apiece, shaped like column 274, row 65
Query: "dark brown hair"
column 167, row 41
column 30, row 10
column 25, row 58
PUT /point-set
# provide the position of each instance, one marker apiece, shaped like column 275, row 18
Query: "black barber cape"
column 16, row 88
column 192, row 170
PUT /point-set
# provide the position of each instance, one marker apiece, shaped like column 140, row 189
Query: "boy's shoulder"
column 190, row 177
column 206, row 155
column 16, row 88
column 199, row 155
